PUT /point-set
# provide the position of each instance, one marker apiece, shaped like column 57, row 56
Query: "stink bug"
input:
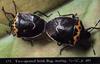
column 69, row 31
column 25, row 25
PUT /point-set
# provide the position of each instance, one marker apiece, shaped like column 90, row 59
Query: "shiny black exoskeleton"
column 25, row 25
column 69, row 31
column 29, row 25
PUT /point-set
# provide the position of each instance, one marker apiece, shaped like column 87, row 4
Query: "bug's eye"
column 9, row 24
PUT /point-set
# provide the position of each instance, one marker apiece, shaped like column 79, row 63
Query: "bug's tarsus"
column 62, row 49
column 31, row 41
column 93, row 49
column 14, row 6
column 41, row 13
column 67, row 46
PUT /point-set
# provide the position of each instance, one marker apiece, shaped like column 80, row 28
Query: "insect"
column 25, row 25
column 69, row 31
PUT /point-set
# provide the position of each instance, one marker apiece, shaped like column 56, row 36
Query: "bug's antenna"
column 92, row 28
column 10, row 21
column 14, row 6
column 5, row 13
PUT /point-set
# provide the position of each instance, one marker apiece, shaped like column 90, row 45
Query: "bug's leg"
column 62, row 49
column 91, row 29
column 93, row 50
column 41, row 13
column 67, row 46
column 59, row 13
column 14, row 6
column 31, row 42
column 73, row 15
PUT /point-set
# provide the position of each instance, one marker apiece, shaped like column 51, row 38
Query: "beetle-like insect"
column 25, row 25
column 69, row 31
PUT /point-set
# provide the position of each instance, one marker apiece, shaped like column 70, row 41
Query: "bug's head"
column 13, row 26
column 12, row 19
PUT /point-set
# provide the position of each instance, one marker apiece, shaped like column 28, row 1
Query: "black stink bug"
column 25, row 25
column 69, row 31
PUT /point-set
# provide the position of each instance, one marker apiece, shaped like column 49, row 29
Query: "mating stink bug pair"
column 67, row 29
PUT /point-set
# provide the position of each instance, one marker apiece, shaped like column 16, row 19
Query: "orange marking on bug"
column 14, row 29
column 76, row 37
